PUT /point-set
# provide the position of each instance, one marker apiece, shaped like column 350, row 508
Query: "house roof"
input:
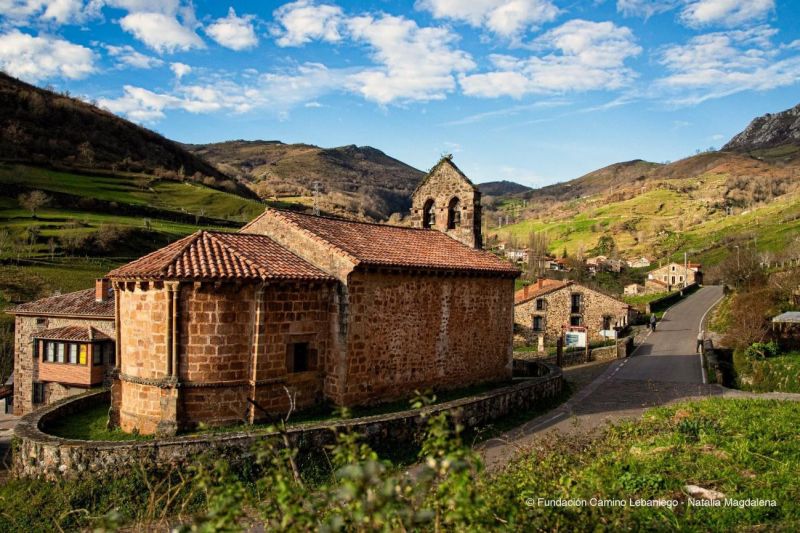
column 442, row 162
column 371, row 244
column 534, row 291
column 221, row 256
column 73, row 333
column 73, row 304
column 789, row 317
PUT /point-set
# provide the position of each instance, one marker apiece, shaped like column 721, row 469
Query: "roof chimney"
column 102, row 289
column 525, row 291
column 540, row 282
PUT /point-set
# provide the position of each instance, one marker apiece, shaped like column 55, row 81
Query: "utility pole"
column 685, row 270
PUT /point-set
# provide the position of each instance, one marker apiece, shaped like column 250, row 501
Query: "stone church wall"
column 408, row 332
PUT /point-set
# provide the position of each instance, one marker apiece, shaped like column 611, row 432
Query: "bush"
column 762, row 350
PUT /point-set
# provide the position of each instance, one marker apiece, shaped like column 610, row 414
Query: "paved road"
column 664, row 368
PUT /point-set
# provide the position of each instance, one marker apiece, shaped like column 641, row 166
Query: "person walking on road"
column 701, row 337
column 653, row 322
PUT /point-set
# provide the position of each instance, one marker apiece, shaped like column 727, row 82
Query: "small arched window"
column 454, row 214
column 428, row 215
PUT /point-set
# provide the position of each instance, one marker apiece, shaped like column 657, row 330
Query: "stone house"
column 639, row 262
column 634, row 289
column 220, row 328
column 548, row 307
column 63, row 345
column 675, row 275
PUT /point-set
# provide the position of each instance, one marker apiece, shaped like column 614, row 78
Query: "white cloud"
column 416, row 63
column 55, row 11
column 504, row 17
column 127, row 56
column 276, row 92
column 37, row 58
column 168, row 7
column 722, row 63
column 646, row 8
column 577, row 56
column 160, row 31
column 304, row 21
column 726, row 12
column 180, row 69
column 233, row 32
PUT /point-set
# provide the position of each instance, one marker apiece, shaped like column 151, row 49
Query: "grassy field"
column 166, row 195
column 665, row 221
column 745, row 449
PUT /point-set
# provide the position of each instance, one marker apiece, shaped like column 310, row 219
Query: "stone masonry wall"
column 219, row 346
column 39, row 455
column 26, row 366
column 444, row 184
column 557, row 312
column 408, row 332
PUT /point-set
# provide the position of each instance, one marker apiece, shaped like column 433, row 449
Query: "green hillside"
column 670, row 217
column 94, row 222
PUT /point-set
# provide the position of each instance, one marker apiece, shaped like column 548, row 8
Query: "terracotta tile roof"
column 374, row 244
column 79, row 303
column 534, row 290
column 72, row 333
column 221, row 256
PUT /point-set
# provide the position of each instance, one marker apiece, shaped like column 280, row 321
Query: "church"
column 222, row 328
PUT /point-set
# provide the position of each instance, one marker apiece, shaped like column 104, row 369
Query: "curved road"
column 664, row 368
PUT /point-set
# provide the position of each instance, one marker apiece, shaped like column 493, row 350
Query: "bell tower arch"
column 447, row 201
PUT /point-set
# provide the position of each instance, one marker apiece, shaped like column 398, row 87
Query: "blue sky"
column 536, row 91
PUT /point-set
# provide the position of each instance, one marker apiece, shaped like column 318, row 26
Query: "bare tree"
column 538, row 247
column 33, row 201
column 86, row 153
column 51, row 247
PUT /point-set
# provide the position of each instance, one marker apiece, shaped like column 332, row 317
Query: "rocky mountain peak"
column 772, row 129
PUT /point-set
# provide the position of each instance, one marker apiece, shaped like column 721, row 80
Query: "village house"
column 634, row 289
column 220, row 328
column 639, row 262
column 63, row 345
column 673, row 276
column 548, row 307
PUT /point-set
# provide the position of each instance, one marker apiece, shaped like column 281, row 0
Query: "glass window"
column 61, row 351
column 538, row 323
column 82, row 355
column 49, row 351
column 540, row 304
column 73, row 354
column 97, row 354
column 574, row 321
column 111, row 356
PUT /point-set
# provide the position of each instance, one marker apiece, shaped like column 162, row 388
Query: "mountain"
column 768, row 131
column 47, row 128
column 502, row 188
column 351, row 179
column 704, row 204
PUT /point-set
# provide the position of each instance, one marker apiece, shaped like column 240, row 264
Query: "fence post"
column 559, row 351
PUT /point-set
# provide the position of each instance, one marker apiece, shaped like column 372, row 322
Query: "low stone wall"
column 623, row 348
column 45, row 456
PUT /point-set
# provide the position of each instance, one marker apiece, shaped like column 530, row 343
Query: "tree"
column 606, row 245
column 86, row 153
column 6, row 352
column 564, row 253
column 538, row 245
column 33, row 201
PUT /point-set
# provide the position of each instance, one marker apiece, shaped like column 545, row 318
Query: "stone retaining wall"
column 45, row 456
